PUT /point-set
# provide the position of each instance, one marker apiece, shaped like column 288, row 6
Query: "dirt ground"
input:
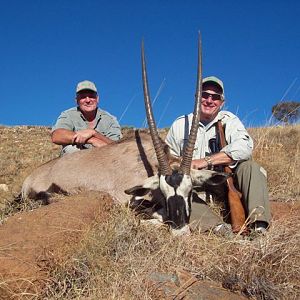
column 28, row 238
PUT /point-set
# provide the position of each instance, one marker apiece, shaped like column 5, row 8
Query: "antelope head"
column 175, row 184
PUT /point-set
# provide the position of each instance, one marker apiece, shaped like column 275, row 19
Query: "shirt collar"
column 217, row 118
column 97, row 118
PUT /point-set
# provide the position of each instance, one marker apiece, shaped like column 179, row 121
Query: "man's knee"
column 69, row 149
column 250, row 167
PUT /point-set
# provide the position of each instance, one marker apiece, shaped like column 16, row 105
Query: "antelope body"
column 128, row 165
column 112, row 169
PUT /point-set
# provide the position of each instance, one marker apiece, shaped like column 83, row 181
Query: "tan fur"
column 111, row 169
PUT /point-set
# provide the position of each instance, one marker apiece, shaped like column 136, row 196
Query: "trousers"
column 251, row 180
column 73, row 148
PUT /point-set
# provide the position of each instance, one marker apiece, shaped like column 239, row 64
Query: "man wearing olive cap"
column 250, row 178
column 86, row 125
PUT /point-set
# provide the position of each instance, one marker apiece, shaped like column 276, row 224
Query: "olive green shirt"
column 105, row 123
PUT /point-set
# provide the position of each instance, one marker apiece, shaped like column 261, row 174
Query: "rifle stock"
column 237, row 212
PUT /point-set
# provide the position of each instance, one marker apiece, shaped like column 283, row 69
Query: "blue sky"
column 48, row 46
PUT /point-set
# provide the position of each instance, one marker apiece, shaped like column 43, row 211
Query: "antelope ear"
column 137, row 190
column 151, row 183
column 217, row 179
column 202, row 177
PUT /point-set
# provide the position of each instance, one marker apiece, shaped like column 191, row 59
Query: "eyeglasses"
column 214, row 97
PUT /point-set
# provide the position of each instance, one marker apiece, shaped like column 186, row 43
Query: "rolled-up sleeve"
column 63, row 121
column 114, row 130
column 240, row 144
column 174, row 138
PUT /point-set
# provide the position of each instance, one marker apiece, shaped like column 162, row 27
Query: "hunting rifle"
column 237, row 212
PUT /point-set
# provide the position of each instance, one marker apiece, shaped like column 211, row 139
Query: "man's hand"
column 216, row 159
column 90, row 136
column 81, row 136
column 199, row 164
column 96, row 142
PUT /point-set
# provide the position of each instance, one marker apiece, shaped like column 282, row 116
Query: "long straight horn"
column 160, row 154
column 188, row 151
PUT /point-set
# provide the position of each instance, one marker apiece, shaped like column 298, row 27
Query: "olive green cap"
column 86, row 85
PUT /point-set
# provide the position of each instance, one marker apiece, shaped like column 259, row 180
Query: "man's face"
column 87, row 101
column 211, row 102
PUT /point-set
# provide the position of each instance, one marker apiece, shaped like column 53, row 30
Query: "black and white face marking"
column 171, row 194
column 177, row 191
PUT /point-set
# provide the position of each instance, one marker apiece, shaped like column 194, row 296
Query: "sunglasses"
column 91, row 95
column 214, row 97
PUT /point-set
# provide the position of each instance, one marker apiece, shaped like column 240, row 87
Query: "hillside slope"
column 80, row 246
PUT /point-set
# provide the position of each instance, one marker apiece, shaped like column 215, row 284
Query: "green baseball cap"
column 86, row 85
column 214, row 80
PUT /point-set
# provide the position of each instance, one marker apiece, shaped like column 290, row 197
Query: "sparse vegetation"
column 277, row 149
column 120, row 258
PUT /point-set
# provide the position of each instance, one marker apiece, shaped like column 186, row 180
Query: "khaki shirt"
column 74, row 120
column 240, row 144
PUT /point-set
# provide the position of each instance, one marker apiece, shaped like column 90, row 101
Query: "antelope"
column 132, row 168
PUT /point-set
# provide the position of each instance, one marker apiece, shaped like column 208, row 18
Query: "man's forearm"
column 96, row 142
column 62, row 136
column 221, row 158
column 102, row 138
column 86, row 136
column 216, row 159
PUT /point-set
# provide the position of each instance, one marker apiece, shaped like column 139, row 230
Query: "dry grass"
column 117, row 259
column 22, row 149
column 278, row 150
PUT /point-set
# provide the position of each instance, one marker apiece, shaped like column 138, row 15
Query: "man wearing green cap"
column 86, row 125
column 250, row 178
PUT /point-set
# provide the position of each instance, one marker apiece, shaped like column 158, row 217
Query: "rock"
column 183, row 285
column 3, row 187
